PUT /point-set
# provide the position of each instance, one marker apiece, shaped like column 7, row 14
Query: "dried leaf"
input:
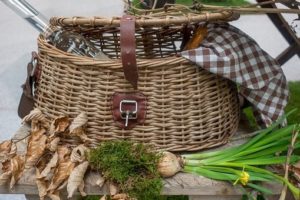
column 53, row 144
column 35, row 114
column 43, row 161
column 95, row 179
column 79, row 122
column 42, row 185
column 5, row 146
column 8, row 150
column 84, row 138
column 121, row 196
column 54, row 195
column 297, row 177
column 28, row 176
column 100, row 181
column 296, row 170
column 5, row 172
column 63, row 185
column 6, row 166
column 63, row 153
column 77, row 127
column 13, row 150
column 17, row 167
column 297, row 165
column 63, row 170
column 81, row 189
column 76, row 178
column 36, row 147
column 37, row 119
column 4, row 177
column 103, row 197
column 49, row 167
column 59, row 125
column 79, row 153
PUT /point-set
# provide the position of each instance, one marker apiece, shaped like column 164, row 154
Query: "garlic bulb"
column 113, row 189
column 169, row 164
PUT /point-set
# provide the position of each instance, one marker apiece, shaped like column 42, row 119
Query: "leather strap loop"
column 127, row 44
column 26, row 103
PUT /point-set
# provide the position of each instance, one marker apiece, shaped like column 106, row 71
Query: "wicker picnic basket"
column 187, row 108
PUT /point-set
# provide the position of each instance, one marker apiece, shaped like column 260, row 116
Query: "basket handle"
column 128, row 46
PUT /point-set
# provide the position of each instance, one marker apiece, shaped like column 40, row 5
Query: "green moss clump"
column 132, row 166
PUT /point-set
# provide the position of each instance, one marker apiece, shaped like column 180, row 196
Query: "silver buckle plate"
column 128, row 114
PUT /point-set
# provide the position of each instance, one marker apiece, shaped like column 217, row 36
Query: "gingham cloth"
column 230, row 53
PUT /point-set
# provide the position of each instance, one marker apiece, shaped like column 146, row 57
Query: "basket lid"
column 171, row 16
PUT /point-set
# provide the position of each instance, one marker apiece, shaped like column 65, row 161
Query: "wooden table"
column 196, row 187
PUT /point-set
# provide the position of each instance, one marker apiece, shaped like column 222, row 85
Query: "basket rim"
column 52, row 51
column 142, row 21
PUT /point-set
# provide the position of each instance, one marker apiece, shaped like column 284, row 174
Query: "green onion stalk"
column 243, row 165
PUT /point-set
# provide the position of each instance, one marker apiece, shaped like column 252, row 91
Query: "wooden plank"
column 217, row 197
column 36, row 197
column 285, row 30
column 32, row 197
column 272, row 197
column 180, row 184
column 288, row 53
column 282, row 25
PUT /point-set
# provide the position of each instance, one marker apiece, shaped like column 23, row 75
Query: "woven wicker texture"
column 188, row 108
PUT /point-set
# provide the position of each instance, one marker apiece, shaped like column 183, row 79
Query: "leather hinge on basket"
column 127, row 44
column 26, row 103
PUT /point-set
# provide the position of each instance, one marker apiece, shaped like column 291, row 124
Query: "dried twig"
column 288, row 157
column 200, row 8
column 245, row 136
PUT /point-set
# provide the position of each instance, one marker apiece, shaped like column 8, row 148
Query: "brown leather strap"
column 127, row 43
column 27, row 99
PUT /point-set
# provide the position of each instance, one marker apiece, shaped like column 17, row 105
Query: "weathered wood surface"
column 195, row 186
column 180, row 184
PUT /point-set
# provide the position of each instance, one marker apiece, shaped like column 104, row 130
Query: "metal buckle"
column 128, row 114
column 32, row 75
column 34, row 64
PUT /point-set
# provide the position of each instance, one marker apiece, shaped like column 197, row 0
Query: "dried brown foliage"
column 8, row 150
column 36, row 147
column 59, row 125
column 75, row 180
column 56, row 165
column 17, row 167
column 63, row 169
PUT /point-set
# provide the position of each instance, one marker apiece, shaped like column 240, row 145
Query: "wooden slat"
column 288, row 53
column 285, row 30
column 180, row 184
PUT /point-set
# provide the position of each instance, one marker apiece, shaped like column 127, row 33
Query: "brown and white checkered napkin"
column 230, row 53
